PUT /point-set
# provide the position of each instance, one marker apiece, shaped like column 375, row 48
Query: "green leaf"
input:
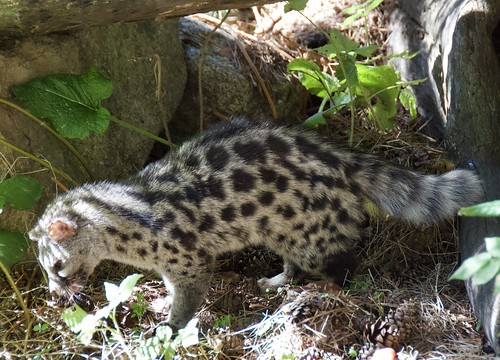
column 366, row 51
column 313, row 79
column 493, row 246
column 407, row 99
column 487, row 209
column 340, row 43
column 12, row 247
column 20, row 192
column 73, row 318
column 470, row 266
column 360, row 10
column 487, row 272
column 70, row 103
column 295, row 5
column 189, row 335
column 118, row 294
column 379, row 84
column 497, row 285
column 315, row 120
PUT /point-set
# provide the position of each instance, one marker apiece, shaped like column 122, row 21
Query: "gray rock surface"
column 126, row 53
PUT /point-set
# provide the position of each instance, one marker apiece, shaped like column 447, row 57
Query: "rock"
column 126, row 53
column 228, row 84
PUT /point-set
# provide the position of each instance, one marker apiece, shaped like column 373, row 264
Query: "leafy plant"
column 484, row 266
column 162, row 343
column 87, row 324
column 139, row 307
column 224, row 320
column 355, row 83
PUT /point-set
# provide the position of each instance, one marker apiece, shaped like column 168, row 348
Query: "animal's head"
column 68, row 247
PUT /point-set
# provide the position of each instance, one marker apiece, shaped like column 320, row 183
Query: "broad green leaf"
column 70, row 103
column 150, row 349
column 189, row 335
column 470, row 266
column 315, row 120
column 164, row 333
column 360, row 10
column 20, row 192
column 379, row 83
column 407, row 99
column 487, row 209
column 487, row 272
column 295, row 5
column 347, row 72
column 313, row 79
column 73, row 318
column 366, row 51
column 12, row 247
column 493, row 246
column 340, row 43
column 118, row 294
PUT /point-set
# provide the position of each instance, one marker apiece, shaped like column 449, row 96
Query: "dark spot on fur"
column 326, row 180
column 266, row 198
column 173, row 249
column 277, row 145
column 282, row 183
column 188, row 212
column 192, row 161
column 248, row 209
column 192, row 195
column 173, row 261
column 243, row 181
column 217, row 157
column 207, row 223
column 319, row 204
column 124, row 237
column 168, row 177
column 343, row 216
column 288, row 212
column 267, row 175
column 215, row 188
column 280, row 238
column 297, row 173
column 250, row 151
column 264, row 221
column 187, row 238
column 154, row 245
column 228, row 213
column 142, row 252
column 136, row 235
column 121, row 249
column 111, row 230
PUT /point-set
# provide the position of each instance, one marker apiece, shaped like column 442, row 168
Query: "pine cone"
column 303, row 306
column 393, row 328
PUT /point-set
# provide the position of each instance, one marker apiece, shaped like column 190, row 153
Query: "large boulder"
column 126, row 53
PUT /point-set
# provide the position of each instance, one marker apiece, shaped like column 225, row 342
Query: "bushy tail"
column 416, row 197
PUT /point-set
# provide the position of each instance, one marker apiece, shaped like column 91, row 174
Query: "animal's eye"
column 58, row 266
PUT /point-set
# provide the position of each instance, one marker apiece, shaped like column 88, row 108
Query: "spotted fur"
column 240, row 184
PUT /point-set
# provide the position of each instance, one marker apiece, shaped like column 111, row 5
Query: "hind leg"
column 289, row 270
column 338, row 267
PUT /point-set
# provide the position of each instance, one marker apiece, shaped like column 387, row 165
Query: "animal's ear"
column 59, row 231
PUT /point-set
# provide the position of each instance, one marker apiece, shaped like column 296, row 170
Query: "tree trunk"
column 459, row 43
column 26, row 17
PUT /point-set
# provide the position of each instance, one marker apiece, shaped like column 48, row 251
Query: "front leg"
column 186, row 295
column 284, row 278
